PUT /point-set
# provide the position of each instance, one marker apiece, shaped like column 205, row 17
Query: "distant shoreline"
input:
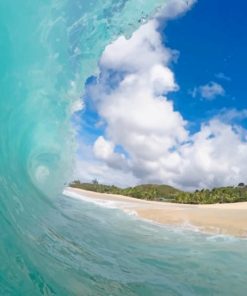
column 167, row 193
column 229, row 219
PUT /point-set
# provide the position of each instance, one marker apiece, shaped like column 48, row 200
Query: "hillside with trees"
column 168, row 193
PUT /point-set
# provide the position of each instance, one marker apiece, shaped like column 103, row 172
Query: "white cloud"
column 86, row 171
column 209, row 91
column 104, row 150
column 215, row 156
column 125, row 54
column 141, row 119
column 175, row 8
column 88, row 168
column 231, row 115
column 138, row 117
column 222, row 76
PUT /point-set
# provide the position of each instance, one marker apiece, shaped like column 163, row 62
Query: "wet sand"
column 217, row 218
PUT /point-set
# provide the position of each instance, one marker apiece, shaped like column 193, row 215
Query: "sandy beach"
column 217, row 218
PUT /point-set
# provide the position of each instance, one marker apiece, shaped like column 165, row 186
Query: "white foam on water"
column 213, row 235
column 102, row 203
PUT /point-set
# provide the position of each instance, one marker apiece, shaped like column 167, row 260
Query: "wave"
column 102, row 203
column 47, row 51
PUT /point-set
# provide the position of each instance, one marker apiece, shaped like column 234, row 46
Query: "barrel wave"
column 47, row 50
column 54, row 245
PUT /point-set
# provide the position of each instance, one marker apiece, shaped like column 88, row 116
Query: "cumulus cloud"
column 88, row 170
column 214, row 156
column 138, row 115
column 232, row 115
column 209, row 91
column 175, row 8
column 131, row 98
column 89, row 167
column 104, row 150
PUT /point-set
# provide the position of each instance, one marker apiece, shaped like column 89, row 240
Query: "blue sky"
column 174, row 111
column 211, row 39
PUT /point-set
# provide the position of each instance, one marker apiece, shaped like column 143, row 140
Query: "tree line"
column 168, row 193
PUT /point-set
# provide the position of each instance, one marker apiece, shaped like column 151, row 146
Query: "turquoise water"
column 115, row 254
column 50, row 245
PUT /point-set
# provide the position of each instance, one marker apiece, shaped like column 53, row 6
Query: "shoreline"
column 227, row 219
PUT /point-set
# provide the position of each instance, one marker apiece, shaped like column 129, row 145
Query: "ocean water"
column 113, row 253
column 52, row 245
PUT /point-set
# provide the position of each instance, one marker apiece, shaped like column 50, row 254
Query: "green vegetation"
column 147, row 191
column 216, row 195
column 171, row 194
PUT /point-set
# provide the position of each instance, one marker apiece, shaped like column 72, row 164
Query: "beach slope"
column 217, row 218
